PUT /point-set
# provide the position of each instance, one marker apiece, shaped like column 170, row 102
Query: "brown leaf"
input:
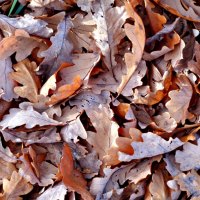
column 176, row 7
column 72, row 178
column 16, row 187
column 21, row 43
column 136, row 35
column 25, row 74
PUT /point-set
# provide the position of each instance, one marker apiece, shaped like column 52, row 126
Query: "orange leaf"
column 65, row 91
column 72, row 178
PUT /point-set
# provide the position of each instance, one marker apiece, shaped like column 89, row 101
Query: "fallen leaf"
column 14, row 188
column 59, row 51
column 28, row 117
column 105, row 128
column 72, row 178
column 57, row 192
column 189, row 157
column 180, row 100
column 136, row 35
column 158, row 181
column 190, row 183
column 152, row 145
column 176, row 8
column 25, row 74
column 27, row 22
column 65, row 91
column 6, row 169
column 21, row 43
column 6, row 154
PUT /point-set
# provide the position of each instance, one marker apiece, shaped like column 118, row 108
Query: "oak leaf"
column 28, row 117
column 180, row 100
column 25, row 74
column 65, row 91
column 152, row 145
column 189, row 157
column 59, row 51
column 72, row 178
column 21, row 43
column 16, row 187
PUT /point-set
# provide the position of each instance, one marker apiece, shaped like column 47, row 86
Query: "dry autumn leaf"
column 25, row 74
column 16, row 187
column 72, row 178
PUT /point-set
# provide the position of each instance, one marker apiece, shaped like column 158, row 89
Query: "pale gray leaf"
column 152, row 145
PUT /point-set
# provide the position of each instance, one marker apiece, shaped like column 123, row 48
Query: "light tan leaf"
column 136, row 34
column 6, row 83
column 109, row 32
column 27, row 116
column 83, row 65
column 158, row 182
column 101, row 119
column 6, row 169
column 6, row 154
column 152, row 145
column 16, row 187
column 180, row 100
column 189, row 157
column 25, row 74
column 81, row 32
column 21, row 43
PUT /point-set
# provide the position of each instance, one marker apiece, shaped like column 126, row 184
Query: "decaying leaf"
column 7, row 169
column 14, row 188
column 152, row 145
column 72, row 178
column 25, row 74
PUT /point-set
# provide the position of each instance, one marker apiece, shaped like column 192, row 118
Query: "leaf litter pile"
column 99, row 99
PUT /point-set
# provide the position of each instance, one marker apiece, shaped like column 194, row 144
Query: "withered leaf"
column 6, row 154
column 25, row 74
column 16, row 187
column 27, row 22
column 72, row 178
column 28, row 117
column 189, row 157
column 21, row 43
column 152, row 145
column 180, row 100
column 59, row 51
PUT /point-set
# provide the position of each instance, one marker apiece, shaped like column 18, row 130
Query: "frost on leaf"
column 189, row 157
column 152, row 145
